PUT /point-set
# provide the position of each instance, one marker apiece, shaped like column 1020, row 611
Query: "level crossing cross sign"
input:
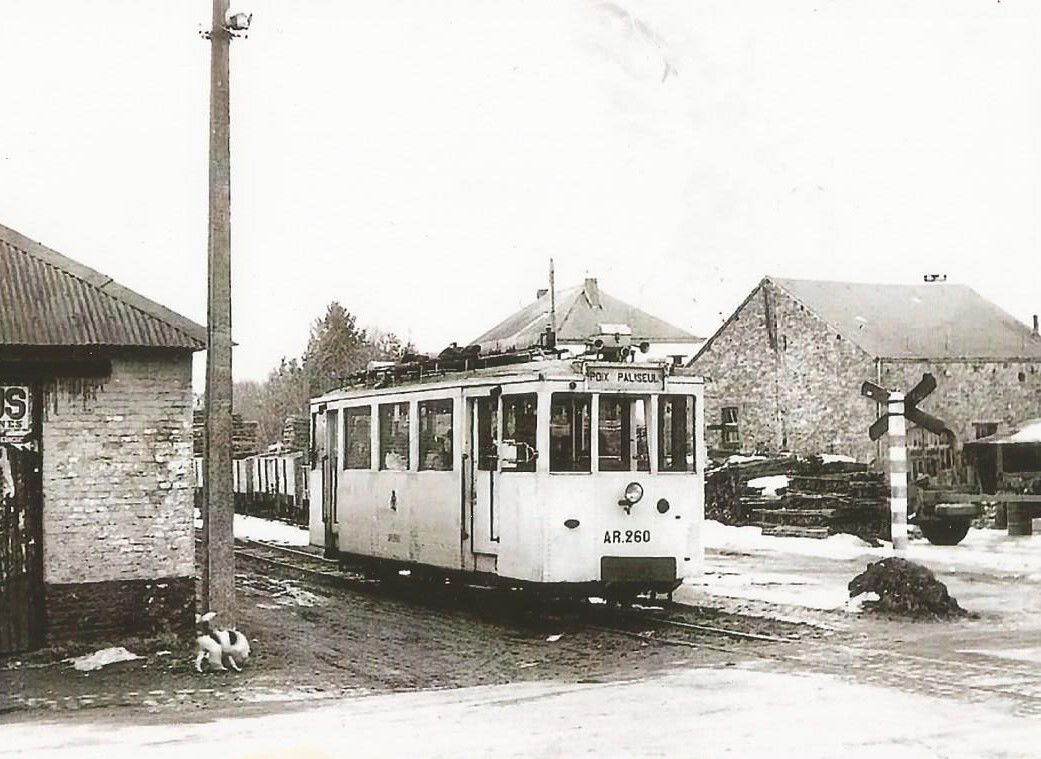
column 898, row 408
column 910, row 410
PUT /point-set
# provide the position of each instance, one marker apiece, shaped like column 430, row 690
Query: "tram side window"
column 675, row 433
column 570, row 423
column 394, row 436
column 435, row 435
column 519, row 420
column 623, row 434
column 487, row 426
column 357, row 435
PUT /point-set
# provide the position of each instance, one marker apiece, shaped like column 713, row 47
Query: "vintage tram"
column 580, row 476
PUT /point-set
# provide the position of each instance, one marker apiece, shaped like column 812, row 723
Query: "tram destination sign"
column 624, row 377
column 15, row 414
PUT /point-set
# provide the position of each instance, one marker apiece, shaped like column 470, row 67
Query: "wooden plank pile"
column 821, row 498
column 244, row 435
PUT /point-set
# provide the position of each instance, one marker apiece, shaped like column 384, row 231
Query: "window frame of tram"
column 522, row 429
column 622, row 448
column 389, row 426
column 671, row 436
column 572, row 451
column 436, row 452
column 357, row 439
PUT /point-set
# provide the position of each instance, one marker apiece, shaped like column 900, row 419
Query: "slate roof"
column 927, row 321
column 47, row 299
column 579, row 312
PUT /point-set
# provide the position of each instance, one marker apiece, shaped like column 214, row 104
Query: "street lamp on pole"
column 218, row 570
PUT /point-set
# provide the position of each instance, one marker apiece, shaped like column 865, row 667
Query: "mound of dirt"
column 906, row 589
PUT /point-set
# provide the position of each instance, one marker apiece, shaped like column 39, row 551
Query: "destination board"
column 624, row 377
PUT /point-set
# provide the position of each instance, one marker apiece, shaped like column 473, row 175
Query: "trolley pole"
column 897, row 471
column 218, row 570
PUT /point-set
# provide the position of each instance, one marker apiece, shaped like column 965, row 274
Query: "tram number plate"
column 627, row 536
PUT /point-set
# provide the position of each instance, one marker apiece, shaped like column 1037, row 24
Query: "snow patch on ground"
column 1032, row 655
column 271, row 531
column 771, row 587
column 988, row 551
column 734, row 711
column 104, row 657
column 268, row 530
column 770, row 484
column 723, row 537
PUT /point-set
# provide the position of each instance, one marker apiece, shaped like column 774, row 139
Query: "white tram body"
column 577, row 473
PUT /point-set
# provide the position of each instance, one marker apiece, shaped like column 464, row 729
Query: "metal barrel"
column 1019, row 519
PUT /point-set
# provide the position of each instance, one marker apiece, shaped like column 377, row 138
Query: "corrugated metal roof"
column 580, row 311
column 916, row 321
column 47, row 299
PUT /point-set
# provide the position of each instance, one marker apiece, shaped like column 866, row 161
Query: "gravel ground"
column 312, row 641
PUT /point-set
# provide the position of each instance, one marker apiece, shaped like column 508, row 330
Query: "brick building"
column 784, row 371
column 96, row 536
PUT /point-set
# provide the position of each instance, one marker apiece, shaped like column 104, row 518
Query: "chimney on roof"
column 592, row 292
column 1035, row 324
column 541, row 292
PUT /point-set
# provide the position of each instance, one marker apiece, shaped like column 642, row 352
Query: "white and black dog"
column 218, row 646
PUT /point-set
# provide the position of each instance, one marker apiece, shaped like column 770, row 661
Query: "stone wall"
column 1005, row 392
column 117, row 476
column 740, row 368
column 821, row 373
column 795, row 381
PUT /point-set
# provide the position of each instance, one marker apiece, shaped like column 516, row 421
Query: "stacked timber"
column 801, row 497
column 296, row 433
column 244, row 435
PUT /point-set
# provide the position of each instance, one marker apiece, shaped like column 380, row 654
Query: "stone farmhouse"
column 784, row 370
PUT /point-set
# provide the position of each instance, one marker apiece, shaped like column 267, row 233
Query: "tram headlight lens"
column 633, row 492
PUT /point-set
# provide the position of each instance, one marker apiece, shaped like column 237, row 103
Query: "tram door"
column 484, row 475
column 329, row 479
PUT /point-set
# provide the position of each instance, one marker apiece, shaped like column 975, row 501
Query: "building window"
column 357, row 435
column 570, row 436
column 676, row 433
column 984, row 429
column 519, row 422
column 394, row 437
column 435, row 435
column 730, row 439
column 622, row 434
column 487, row 434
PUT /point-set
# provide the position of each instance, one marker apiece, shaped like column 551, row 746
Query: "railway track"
column 791, row 646
column 637, row 623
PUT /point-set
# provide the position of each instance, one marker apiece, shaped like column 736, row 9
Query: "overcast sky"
column 421, row 161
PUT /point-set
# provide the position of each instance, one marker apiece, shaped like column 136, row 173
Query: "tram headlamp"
column 633, row 492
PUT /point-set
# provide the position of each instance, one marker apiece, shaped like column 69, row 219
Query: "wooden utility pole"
column 218, row 570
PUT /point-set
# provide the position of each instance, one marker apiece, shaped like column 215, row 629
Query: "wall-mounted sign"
column 15, row 413
column 624, row 377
